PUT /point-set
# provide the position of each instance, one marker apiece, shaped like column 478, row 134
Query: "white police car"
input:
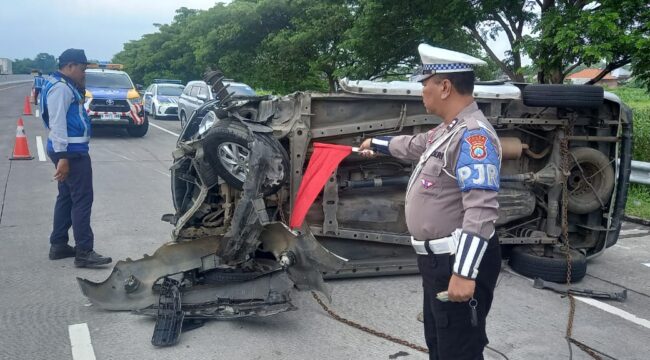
column 161, row 98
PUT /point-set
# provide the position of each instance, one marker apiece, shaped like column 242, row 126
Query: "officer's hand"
column 62, row 170
column 460, row 289
column 365, row 149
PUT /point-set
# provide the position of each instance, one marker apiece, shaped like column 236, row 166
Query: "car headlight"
column 136, row 101
column 208, row 120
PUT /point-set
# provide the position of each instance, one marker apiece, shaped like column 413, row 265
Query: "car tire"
column 183, row 119
column 153, row 111
column 530, row 261
column 232, row 134
column 584, row 199
column 563, row 96
column 138, row 130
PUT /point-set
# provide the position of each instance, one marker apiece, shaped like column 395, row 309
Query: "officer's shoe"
column 61, row 251
column 89, row 258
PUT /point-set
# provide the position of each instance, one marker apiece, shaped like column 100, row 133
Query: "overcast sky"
column 29, row 27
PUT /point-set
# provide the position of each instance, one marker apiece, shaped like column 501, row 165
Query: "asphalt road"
column 40, row 298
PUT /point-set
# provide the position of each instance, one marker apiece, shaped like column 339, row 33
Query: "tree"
column 571, row 33
column 43, row 62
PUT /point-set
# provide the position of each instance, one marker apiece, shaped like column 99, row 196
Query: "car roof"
column 407, row 88
column 106, row 71
column 228, row 82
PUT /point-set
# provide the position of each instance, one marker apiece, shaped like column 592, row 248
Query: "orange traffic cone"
column 32, row 97
column 27, row 109
column 21, row 150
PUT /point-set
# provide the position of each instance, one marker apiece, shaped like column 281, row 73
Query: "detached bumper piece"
column 564, row 290
column 169, row 321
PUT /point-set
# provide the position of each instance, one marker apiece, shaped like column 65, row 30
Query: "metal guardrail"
column 640, row 172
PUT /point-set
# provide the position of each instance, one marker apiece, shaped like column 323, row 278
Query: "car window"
column 170, row 90
column 108, row 80
column 187, row 90
column 149, row 89
column 203, row 90
column 241, row 89
column 195, row 91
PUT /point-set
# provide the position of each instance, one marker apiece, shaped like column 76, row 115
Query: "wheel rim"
column 234, row 158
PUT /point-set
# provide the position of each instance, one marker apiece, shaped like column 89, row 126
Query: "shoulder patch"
column 478, row 164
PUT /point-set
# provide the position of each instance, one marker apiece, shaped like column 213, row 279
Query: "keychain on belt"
column 444, row 297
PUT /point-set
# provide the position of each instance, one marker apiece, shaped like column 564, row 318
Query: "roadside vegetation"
column 638, row 201
column 289, row 45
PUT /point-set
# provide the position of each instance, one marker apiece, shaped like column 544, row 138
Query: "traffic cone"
column 21, row 150
column 27, row 109
column 32, row 97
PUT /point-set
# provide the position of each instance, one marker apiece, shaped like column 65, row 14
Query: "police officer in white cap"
column 451, row 205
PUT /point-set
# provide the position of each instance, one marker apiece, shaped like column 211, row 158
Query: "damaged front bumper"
column 248, row 266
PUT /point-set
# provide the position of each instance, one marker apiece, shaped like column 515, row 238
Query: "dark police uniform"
column 451, row 208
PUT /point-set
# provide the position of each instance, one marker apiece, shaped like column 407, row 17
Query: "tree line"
column 289, row 45
column 46, row 63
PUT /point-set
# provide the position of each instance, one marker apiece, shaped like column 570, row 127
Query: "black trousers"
column 74, row 203
column 447, row 325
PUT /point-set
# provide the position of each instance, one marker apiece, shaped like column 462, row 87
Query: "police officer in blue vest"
column 39, row 82
column 62, row 106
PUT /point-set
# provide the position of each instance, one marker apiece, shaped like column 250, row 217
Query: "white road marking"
column 615, row 311
column 37, row 113
column 163, row 129
column 633, row 231
column 82, row 348
column 11, row 87
column 646, row 264
column 600, row 305
column 39, row 149
column 622, row 247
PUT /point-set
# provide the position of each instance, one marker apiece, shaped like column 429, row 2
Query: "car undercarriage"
column 239, row 163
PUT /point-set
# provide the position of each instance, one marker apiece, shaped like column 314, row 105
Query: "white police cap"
column 439, row 61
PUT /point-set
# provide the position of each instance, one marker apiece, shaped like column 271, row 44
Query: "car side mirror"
column 202, row 97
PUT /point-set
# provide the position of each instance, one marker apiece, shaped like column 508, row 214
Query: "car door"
column 147, row 99
column 193, row 101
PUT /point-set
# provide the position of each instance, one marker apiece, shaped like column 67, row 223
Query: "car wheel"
column 153, row 112
column 590, row 181
column 183, row 119
column 532, row 261
column 227, row 142
column 138, row 130
column 563, row 96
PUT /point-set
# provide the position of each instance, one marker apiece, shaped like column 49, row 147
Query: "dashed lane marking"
column 646, row 264
column 163, row 129
column 82, row 348
column 39, row 149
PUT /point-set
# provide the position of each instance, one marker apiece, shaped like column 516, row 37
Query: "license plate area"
column 110, row 116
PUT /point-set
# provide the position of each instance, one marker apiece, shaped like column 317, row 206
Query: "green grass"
column 638, row 200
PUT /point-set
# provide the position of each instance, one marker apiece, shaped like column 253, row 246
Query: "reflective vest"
column 77, row 120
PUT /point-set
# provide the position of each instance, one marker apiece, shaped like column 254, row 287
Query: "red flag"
column 324, row 160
